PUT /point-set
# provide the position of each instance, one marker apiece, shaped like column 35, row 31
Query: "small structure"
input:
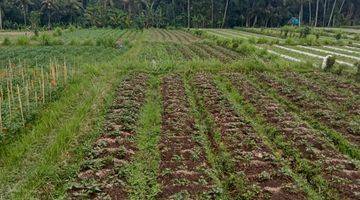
column 294, row 21
column 328, row 62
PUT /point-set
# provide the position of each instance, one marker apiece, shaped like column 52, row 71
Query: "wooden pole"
column 1, row 100
column 9, row 102
column 43, row 84
column 20, row 105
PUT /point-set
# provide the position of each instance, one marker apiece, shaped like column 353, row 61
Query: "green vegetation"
column 176, row 114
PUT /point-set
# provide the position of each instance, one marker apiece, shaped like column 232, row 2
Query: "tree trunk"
column 255, row 20
column 340, row 9
column 188, row 8
column 49, row 20
column 1, row 25
column 25, row 12
column 212, row 13
column 173, row 12
column 225, row 13
column 301, row 13
column 324, row 14
column 310, row 24
column 317, row 12
column 332, row 12
column 267, row 22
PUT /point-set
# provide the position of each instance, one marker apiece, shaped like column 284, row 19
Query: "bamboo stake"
column 27, row 94
column 36, row 99
column 43, row 84
column 65, row 73
column 1, row 126
column 1, row 100
column 9, row 102
column 50, row 91
column 20, row 105
column 10, row 82
column 53, row 76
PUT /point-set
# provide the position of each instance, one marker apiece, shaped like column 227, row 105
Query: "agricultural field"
column 289, row 45
column 179, row 114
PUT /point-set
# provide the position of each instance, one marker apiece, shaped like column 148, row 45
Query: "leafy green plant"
column 305, row 31
column 57, row 32
column 88, row 42
column 338, row 35
column 45, row 40
column 357, row 76
column 106, row 42
column 23, row 40
column 6, row 41
column 329, row 63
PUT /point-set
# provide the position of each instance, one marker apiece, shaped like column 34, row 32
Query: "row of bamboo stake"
column 33, row 86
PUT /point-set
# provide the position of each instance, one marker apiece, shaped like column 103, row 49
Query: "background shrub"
column 6, row 41
column 23, row 40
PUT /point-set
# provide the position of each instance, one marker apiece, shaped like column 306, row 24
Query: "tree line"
column 177, row 13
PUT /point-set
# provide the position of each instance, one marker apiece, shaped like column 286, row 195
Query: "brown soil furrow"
column 186, row 52
column 329, row 94
column 329, row 79
column 215, row 54
column 183, row 166
column 99, row 177
column 250, row 154
column 167, row 37
column 338, row 170
column 178, row 39
column 316, row 108
column 173, row 51
column 189, row 36
column 162, row 34
column 172, row 37
column 201, row 53
column 156, row 35
column 182, row 38
column 232, row 54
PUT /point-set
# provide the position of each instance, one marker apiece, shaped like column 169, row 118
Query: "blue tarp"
column 295, row 21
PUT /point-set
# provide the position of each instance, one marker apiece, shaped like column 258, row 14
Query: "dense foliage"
column 163, row 13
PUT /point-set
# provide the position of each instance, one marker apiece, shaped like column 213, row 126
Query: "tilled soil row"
column 205, row 51
column 339, row 171
column 190, row 38
column 183, row 166
column 214, row 53
column 331, row 95
column 177, row 38
column 250, row 155
column 181, row 38
column 315, row 108
column 200, row 52
column 330, row 80
column 232, row 54
column 187, row 53
column 102, row 175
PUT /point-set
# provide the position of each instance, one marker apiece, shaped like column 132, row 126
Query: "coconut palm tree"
column 2, row 5
column 47, row 7
column 24, row 6
column 73, row 8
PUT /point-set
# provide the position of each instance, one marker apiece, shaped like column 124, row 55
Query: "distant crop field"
column 243, row 113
